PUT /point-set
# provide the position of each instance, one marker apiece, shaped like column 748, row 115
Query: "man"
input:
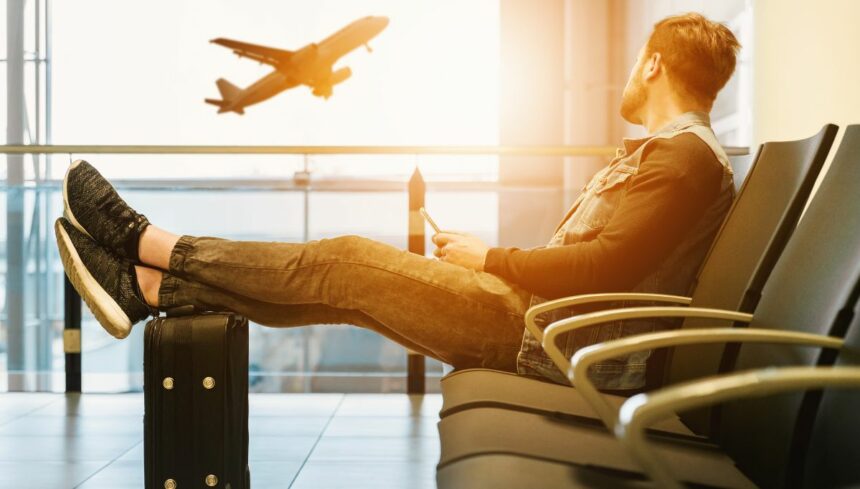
column 643, row 223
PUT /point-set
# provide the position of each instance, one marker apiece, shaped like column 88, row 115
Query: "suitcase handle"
column 190, row 310
column 178, row 311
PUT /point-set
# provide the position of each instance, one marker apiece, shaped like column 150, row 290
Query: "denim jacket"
column 587, row 216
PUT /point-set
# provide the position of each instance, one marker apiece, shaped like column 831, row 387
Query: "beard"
column 633, row 99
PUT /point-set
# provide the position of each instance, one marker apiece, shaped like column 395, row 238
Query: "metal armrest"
column 577, row 300
column 642, row 410
column 584, row 358
column 599, row 317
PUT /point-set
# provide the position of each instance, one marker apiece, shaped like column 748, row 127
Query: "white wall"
column 589, row 91
column 806, row 67
column 530, row 88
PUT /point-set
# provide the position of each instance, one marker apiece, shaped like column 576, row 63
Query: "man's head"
column 686, row 61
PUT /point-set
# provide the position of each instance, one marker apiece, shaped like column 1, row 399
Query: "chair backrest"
column 830, row 456
column 813, row 280
column 741, row 166
column 754, row 233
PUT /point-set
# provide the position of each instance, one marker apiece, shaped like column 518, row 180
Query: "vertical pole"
column 16, row 357
column 72, row 334
column 306, row 236
column 38, row 77
column 44, row 335
column 71, row 299
column 415, row 363
column 72, row 337
column 48, row 86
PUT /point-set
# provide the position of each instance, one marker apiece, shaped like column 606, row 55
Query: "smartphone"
column 429, row 220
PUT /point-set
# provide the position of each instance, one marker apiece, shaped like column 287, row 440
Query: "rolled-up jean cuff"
column 176, row 264
column 167, row 291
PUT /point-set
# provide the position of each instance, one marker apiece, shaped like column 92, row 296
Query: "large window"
column 137, row 73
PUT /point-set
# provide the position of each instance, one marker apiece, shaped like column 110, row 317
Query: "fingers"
column 441, row 239
column 448, row 242
column 443, row 253
column 445, row 237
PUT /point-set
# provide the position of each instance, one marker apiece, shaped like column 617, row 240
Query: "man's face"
column 635, row 93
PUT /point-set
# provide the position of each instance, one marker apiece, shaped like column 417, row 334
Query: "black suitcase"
column 196, row 401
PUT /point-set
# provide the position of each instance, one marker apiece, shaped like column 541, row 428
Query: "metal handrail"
column 327, row 150
column 288, row 183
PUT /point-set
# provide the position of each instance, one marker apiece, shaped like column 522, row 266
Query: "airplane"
column 310, row 65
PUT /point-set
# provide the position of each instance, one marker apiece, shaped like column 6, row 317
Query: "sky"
column 137, row 72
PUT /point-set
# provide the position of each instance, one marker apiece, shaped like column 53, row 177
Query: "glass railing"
column 299, row 199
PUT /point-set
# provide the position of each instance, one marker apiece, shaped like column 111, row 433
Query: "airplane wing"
column 256, row 52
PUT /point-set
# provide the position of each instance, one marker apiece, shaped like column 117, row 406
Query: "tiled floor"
column 318, row 441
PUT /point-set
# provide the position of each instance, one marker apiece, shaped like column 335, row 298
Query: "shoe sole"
column 67, row 210
column 106, row 310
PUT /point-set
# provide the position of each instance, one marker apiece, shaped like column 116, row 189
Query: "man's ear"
column 653, row 66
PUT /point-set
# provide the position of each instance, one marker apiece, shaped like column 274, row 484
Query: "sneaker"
column 94, row 207
column 106, row 282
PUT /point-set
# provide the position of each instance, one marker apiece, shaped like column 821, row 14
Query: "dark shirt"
column 678, row 179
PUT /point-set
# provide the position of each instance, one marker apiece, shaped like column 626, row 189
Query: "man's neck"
column 659, row 115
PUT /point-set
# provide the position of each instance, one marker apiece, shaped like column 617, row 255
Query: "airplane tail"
column 228, row 93
column 227, row 89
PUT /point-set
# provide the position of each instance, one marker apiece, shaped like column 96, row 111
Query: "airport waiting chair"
column 804, row 301
column 758, row 224
column 822, row 452
column 831, row 458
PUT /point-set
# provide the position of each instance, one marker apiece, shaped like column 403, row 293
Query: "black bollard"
column 72, row 337
column 415, row 367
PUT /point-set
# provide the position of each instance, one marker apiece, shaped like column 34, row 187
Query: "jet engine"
column 339, row 76
column 324, row 89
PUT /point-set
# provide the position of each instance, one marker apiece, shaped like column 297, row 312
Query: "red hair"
column 699, row 55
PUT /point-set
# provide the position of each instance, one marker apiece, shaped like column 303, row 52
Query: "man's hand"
column 461, row 249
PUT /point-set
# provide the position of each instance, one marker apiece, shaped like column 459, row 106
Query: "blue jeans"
column 455, row 315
